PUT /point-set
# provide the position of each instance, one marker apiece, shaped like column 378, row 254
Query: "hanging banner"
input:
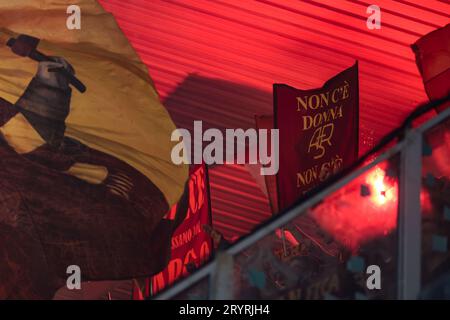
column 318, row 131
column 191, row 245
column 85, row 151
column 433, row 61
column 266, row 122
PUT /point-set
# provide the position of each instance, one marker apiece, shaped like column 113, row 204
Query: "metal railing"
column 219, row 272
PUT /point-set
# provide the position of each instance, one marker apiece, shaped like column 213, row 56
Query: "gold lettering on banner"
column 318, row 116
column 319, row 173
column 321, row 136
column 325, row 108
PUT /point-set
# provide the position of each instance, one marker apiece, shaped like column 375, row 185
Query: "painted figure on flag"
column 86, row 174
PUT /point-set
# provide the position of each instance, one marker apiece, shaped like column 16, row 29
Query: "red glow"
column 353, row 219
column 381, row 192
column 288, row 236
column 253, row 44
column 425, row 203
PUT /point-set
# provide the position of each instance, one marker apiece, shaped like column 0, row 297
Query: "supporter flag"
column 433, row 60
column 266, row 122
column 318, row 132
column 87, row 177
column 191, row 245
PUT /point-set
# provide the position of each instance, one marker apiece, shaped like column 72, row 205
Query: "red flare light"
column 383, row 191
column 353, row 218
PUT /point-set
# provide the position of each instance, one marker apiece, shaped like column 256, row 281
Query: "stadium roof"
column 216, row 61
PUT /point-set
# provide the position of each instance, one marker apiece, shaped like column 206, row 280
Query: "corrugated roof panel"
column 216, row 61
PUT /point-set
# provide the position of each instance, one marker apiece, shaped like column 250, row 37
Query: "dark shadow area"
column 219, row 104
column 237, row 200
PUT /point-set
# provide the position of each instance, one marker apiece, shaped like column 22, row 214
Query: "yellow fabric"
column 120, row 113
column 20, row 135
column 88, row 172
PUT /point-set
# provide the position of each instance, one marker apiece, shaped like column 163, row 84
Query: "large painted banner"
column 318, row 131
column 85, row 153
column 191, row 245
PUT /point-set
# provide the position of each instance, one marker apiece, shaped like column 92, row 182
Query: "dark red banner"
column 191, row 246
column 318, row 132
column 432, row 58
column 266, row 122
